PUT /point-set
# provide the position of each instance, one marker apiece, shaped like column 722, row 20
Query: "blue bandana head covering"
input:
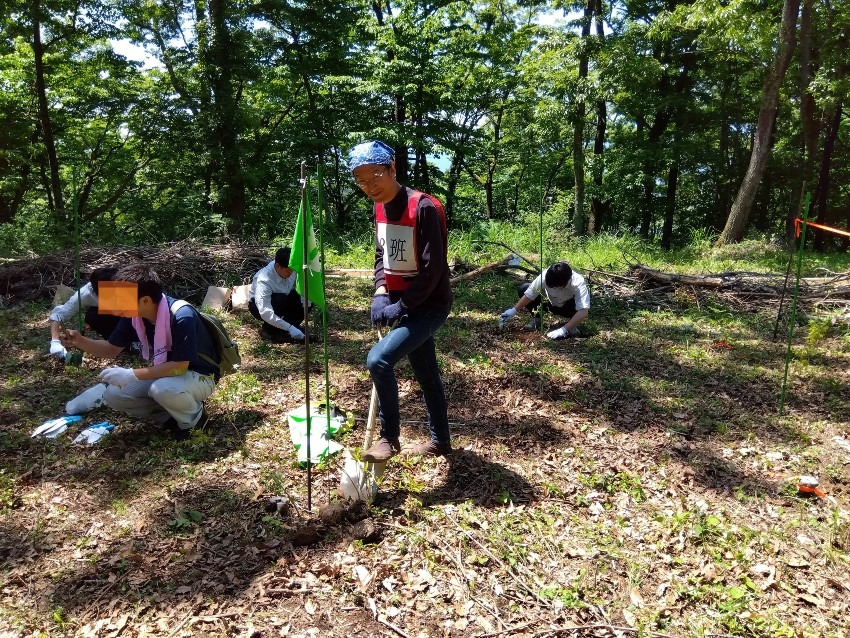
column 374, row 152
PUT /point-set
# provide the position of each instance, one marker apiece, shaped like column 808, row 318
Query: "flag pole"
column 800, row 250
column 321, row 206
column 542, row 283
column 304, row 266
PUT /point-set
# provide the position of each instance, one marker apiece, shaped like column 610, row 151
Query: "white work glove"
column 506, row 316
column 558, row 333
column 295, row 333
column 94, row 433
column 118, row 376
column 57, row 349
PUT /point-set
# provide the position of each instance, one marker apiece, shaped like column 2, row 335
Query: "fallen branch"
column 389, row 625
column 645, row 273
column 481, row 270
column 613, row 628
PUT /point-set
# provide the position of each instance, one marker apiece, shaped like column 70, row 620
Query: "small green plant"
column 185, row 519
column 273, row 481
column 569, row 597
column 7, row 491
column 619, row 482
column 59, row 617
column 273, row 523
column 409, row 482
column 706, row 527
column 817, row 330
column 242, row 387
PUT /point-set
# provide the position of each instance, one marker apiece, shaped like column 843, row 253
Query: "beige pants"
column 181, row 397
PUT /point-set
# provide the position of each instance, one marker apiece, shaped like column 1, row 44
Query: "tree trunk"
column 598, row 207
column 517, row 183
column 423, row 175
column 227, row 127
column 822, row 191
column 488, row 197
column 724, row 195
column 578, row 124
column 44, row 114
column 647, row 202
column 451, row 187
column 402, row 163
column 809, row 122
column 493, row 162
column 736, row 225
column 670, row 205
column 9, row 207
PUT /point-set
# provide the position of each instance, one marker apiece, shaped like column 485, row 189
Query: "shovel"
column 376, row 469
column 359, row 480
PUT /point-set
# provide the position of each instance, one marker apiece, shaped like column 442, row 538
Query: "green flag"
column 304, row 232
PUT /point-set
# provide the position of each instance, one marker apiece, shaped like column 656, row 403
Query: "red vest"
column 399, row 241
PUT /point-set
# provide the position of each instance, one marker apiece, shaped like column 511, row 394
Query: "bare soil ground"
column 636, row 481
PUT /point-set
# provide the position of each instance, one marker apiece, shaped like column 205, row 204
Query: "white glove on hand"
column 118, row 376
column 295, row 333
column 559, row 333
column 506, row 316
column 57, row 349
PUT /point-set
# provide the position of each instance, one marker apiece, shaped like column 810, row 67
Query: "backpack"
column 225, row 347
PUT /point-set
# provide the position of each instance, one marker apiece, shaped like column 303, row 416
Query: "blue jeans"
column 414, row 338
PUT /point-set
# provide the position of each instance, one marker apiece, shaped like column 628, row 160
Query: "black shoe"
column 274, row 335
column 182, row 434
column 203, row 422
column 176, row 432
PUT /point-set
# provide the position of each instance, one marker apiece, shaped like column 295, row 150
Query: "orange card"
column 118, row 298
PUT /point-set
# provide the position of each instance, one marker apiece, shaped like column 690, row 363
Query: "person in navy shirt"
column 183, row 361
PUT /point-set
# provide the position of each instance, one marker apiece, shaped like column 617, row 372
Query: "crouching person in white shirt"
column 566, row 296
column 83, row 302
column 275, row 302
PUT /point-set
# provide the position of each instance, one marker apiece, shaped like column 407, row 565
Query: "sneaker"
column 431, row 449
column 382, row 451
column 533, row 323
column 575, row 333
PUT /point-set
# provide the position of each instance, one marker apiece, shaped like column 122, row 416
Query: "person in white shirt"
column 566, row 296
column 275, row 302
column 85, row 299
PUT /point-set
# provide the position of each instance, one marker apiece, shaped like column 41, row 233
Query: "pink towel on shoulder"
column 161, row 334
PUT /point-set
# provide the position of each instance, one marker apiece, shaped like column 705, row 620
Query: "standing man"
column 412, row 293
column 275, row 302
column 183, row 361
column 566, row 296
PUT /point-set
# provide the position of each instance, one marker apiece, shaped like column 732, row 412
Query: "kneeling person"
column 184, row 361
column 566, row 296
column 275, row 302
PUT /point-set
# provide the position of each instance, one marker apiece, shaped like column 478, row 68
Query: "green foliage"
column 7, row 491
column 185, row 520
column 204, row 138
